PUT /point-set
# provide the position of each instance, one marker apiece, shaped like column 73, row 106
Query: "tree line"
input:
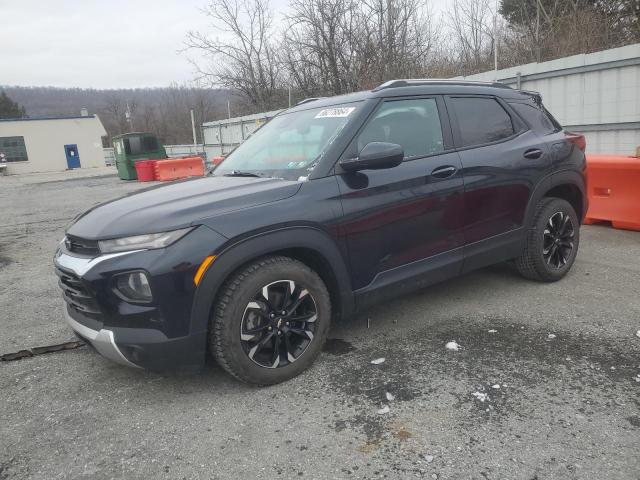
column 331, row 47
column 163, row 111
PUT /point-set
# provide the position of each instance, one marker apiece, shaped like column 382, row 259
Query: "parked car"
column 335, row 204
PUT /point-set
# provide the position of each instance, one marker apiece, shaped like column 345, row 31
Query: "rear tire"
column 270, row 321
column 552, row 241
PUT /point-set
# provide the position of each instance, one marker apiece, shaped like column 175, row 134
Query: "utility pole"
column 538, row 31
column 495, row 42
column 193, row 130
column 228, row 109
column 128, row 118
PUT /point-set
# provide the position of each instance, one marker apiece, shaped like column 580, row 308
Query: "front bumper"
column 102, row 340
column 160, row 335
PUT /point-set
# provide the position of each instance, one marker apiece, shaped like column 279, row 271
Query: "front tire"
column 552, row 241
column 270, row 321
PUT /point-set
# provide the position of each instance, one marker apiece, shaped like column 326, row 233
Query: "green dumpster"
column 130, row 148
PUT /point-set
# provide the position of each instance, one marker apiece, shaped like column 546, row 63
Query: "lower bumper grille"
column 76, row 294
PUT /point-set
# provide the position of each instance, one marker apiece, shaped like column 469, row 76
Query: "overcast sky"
column 101, row 44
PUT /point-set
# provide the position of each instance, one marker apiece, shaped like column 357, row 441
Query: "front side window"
column 481, row 120
column 13, row 149
column 413, row 124
column 291, row 144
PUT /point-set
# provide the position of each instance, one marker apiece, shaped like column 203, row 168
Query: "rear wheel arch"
column 572, row 194
column 309, row 245
column 568, row 185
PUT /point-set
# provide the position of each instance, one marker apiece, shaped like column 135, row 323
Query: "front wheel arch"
column 309, row 245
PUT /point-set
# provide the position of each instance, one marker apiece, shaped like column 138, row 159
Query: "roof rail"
column 435, row 81
column 310, row 99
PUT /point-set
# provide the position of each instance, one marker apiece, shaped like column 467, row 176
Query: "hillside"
column 163, row 111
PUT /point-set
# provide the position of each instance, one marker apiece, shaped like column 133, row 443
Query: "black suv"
column 332, row 205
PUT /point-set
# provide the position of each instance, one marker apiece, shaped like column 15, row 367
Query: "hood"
column 178, row 205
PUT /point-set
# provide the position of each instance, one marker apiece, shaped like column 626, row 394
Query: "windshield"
column 290, row 145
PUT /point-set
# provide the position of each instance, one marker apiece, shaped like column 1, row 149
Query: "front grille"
column 77, row 296
column 82, row 246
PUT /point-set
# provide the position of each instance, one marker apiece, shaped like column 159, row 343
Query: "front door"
column 73, row 159
column 404, row 225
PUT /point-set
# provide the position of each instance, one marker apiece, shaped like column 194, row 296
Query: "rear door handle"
column 444, row 172
column 533, row 153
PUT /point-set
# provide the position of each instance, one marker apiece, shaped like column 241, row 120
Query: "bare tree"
column 243, row 58
column 471, row 25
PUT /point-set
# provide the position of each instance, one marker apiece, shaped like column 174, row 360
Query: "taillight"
column 577, row 139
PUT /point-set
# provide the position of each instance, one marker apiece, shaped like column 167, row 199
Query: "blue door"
column 73, row 159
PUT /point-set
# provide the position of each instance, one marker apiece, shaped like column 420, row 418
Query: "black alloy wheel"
column 551, row 242
column 278, row 324
column 558, row 240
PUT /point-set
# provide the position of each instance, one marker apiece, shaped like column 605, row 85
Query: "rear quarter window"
column 481, row 120
column 537, row 117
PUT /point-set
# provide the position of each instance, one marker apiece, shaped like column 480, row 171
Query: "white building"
column 51, row 144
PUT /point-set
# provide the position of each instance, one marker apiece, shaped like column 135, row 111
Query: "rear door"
column 503, row 161
column 404, row 222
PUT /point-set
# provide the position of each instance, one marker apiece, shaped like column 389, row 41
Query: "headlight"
column 139, row 242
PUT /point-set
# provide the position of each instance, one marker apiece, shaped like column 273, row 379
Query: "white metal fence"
column 222, row 136
column 184, row 150
column 597, row 94
column 109, row 157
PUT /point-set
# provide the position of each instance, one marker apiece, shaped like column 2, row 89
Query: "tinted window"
column 537, row 117
column 13, row 149
column 482, row 120
column 414, row 124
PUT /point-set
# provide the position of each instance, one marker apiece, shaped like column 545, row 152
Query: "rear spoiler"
column 537, row 97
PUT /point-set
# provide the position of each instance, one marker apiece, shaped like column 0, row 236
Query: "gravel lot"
column 565, row 357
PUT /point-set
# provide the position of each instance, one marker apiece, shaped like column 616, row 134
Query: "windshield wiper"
column 240, row 173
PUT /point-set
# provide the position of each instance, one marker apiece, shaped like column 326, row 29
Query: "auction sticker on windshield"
column 339, row 112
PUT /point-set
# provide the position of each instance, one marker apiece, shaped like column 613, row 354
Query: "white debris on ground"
column 378, row 361
column 384, row 410
column 390, row 396
column 496, row 386
column 551, row 336
column 638, row 334
column 492, row 331
column 428, row 458
column 452, row 345
column 637, row 378
column 481, row 396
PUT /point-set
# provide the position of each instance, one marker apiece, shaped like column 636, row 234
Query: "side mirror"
column 375, row 156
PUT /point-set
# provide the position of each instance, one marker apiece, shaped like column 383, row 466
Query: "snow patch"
column 492, row 331
column 390, row 397
column 481, row 396
column 384, row 410
column 378, row 361
column 452, row 345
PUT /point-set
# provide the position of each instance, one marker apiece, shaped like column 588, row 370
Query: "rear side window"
column 537, row 118
column 481, row 120
column 414, row 124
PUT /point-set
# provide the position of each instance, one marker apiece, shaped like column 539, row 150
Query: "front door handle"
column 533, row 153
column 444, row 172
